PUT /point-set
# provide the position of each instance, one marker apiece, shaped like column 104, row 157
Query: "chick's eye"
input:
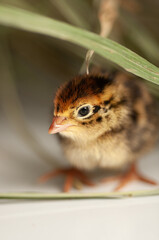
column 83, row 111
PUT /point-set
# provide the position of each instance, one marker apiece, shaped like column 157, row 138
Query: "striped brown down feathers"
column 121, row 126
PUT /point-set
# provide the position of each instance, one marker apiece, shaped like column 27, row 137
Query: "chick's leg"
column 131, row 175
column 71, row 175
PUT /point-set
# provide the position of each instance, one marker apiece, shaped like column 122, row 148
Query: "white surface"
column 136, row 218
column 95, row 219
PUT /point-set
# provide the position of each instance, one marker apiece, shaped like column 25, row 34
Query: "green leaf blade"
column 28, row 21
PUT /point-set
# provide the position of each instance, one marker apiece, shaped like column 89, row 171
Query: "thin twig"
column 52, row 196
column 107, row 15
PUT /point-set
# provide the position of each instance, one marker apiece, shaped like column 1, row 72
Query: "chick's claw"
column 71, row 175
column 131, row 175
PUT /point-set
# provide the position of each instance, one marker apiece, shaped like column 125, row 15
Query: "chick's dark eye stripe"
column 96, row 109
column 106, row 102
column 117, row 104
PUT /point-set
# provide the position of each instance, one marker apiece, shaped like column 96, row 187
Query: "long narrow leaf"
column 21, row 19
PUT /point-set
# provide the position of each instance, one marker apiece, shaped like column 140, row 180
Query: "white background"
column 135, row 218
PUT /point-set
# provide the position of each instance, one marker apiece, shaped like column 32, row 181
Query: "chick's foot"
column 71, row 174
column 131, row 175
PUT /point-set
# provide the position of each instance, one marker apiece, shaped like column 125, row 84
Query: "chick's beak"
column 57, row 126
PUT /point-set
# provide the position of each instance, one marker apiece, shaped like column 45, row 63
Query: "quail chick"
column 104, row 122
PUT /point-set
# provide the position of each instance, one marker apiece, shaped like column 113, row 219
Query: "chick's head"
column 88, row 106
